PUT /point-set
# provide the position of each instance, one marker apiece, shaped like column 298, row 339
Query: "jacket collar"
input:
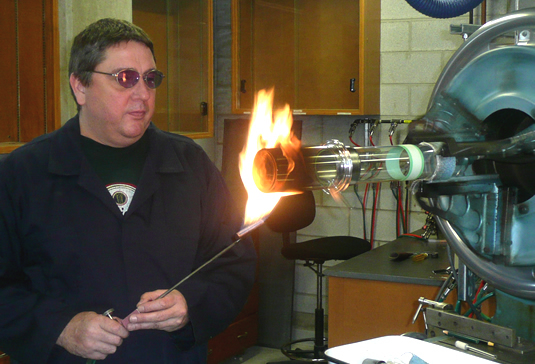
column 66, row 138
column 162, row 155
column 67, row 159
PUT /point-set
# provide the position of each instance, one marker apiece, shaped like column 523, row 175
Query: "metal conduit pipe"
column 444, row 8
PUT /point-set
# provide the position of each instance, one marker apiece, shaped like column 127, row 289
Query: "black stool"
column 296, row 212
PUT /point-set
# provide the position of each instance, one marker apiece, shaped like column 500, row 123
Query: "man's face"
column 111, row 114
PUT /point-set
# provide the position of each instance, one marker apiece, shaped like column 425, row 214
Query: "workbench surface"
column 377, row 265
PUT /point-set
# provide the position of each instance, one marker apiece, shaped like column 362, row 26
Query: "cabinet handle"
column 352, row 85
column 204, row 108
column 242, row 86
column 244, row 335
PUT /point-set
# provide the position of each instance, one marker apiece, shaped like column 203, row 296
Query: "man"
column 109, row 212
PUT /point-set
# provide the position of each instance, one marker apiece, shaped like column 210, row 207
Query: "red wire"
column 400, row 203
column 364, row 206
column 371, row 141
column 398, row 229
column 481, row 285
column 407, row 209
column 413, row 235
column 352, row 141
column 374, row 213
column 365, row 196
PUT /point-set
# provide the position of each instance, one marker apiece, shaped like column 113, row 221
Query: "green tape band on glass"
column 416, row 162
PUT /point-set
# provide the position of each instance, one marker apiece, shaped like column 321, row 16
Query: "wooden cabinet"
column 365, row 309
column 4, row 359
column 322, row 56
column 361, row 309
column 29, row 96
column 181, row 31
column 240, row 335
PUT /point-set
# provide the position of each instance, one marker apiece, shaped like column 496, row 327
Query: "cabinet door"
column 29, row 96
column 322, row 56
column 181, row 31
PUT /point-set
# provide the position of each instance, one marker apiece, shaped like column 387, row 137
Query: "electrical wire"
column 407, row 208
column 355, row 189
column 401, row 211
column 479, row 315
column 412, row 236
column 352, row 129
column 477, row 304
column 394, row 189
column 476, row 296
column 376, row 191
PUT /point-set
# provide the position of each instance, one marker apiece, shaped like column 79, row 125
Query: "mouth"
column 138, row 114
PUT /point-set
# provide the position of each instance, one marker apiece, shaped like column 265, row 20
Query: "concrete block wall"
column 414, row 50
column 73, row 17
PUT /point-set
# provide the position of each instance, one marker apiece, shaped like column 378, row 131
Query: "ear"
column 78, row 89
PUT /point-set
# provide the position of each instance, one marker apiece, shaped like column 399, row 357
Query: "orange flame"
column 265, row 131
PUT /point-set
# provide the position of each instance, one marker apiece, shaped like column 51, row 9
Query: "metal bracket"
column 439, row 320
column 465, row 30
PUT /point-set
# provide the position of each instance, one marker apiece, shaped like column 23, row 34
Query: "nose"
column 142, row 91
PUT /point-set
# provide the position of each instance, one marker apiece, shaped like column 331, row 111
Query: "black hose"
column 444, row 8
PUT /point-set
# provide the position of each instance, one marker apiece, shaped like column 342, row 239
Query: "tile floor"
column 258, row 355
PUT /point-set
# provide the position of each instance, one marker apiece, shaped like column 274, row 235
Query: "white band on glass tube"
column 416, row 162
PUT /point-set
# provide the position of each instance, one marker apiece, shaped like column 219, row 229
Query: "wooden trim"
column 211, row 119
column 6, row 148
column 235, row 52
column 8, row 91
column 370, row 56
column 52, row 56
column 209, row 132
column 38, row 107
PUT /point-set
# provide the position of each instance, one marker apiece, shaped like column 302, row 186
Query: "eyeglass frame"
column 141, row 76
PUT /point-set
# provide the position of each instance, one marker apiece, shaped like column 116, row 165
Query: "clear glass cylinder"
column 334, row 166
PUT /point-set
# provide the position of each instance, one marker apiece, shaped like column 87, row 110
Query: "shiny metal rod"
column 239, row 235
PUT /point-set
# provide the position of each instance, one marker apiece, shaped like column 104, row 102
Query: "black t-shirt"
column 119, row 168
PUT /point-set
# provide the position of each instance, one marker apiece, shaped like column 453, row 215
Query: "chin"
column 136, row 128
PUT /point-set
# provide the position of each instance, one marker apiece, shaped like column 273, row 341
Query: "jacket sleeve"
column 30, row 316
column 218, row 292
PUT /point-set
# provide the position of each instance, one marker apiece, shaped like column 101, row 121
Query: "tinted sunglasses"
column 129, row 78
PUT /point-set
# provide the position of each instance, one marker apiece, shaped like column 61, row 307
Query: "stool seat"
column 328, row 248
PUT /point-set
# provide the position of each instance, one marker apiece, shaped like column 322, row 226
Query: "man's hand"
column 92, row 336
column 169, row 313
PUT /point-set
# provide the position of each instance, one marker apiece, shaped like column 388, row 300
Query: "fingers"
column 92, row 336
column 169, row 313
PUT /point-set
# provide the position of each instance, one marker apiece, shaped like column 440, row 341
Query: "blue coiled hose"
column 444, row 8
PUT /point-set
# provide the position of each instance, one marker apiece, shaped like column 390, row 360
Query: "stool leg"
column 319, row 343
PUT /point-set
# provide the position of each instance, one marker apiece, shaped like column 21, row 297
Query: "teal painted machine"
column 483, row 111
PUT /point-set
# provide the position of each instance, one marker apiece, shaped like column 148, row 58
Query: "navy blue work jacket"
column 66, row 248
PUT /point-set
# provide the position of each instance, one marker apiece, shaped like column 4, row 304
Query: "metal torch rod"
column 239, row 236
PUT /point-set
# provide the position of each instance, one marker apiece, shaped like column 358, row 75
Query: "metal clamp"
column 434, row 304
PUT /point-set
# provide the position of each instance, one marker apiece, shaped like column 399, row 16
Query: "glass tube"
column 334, row 166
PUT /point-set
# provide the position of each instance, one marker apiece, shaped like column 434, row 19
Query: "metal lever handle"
column 434, row 304
column 204, row 108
